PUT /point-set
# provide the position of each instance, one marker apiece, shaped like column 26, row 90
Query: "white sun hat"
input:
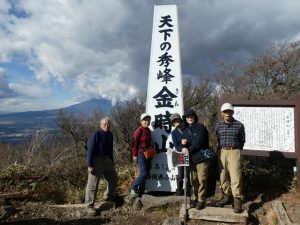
column 144, row 115
column 227, row 106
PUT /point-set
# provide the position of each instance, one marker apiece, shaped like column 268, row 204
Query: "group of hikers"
column 189, row 137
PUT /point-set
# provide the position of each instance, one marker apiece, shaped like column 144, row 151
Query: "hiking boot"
column 91, row 211
column 141, row 190
column 133, row 193
column 200, row 205
column 194, row 203
column 225, row 200
column 237, row 205
column 109, row 198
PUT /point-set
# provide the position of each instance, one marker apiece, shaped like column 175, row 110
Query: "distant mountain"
column 17, row 127
column 90, row 106
column 4, row 112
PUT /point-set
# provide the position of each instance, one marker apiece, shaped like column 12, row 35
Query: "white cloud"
column 30, row 90
column 21, row 104
column 65, row 39
column 101, row 47
column 96, row 85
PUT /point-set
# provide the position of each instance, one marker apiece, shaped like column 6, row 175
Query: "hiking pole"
column 185, row 199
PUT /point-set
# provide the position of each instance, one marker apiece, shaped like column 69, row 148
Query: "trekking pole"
column 186, row 215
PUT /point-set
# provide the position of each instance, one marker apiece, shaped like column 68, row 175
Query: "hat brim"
column 145, row 118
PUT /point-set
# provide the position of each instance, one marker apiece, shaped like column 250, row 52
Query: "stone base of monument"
column 225, row 215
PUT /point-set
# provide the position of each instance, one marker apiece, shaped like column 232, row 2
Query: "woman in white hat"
column 141, row 141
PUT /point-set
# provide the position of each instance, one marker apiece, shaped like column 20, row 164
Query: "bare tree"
column 79, row 127
column 232, row 82
column 201, row 97
column 272, row 75
column 126, row 119
column 32, row 152
column 275, row 74
column 198, row 94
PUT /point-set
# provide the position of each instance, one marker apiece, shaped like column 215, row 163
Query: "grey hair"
column 105, row 119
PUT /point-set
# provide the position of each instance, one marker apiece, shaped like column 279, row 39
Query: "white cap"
column 227, row 106
column 145, row 115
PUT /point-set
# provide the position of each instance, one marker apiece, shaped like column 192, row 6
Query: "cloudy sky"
column 54, row 53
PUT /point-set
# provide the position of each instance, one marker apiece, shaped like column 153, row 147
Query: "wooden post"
column 298, row 175
column 297, row 144
column 186, row 214
column 283, row 218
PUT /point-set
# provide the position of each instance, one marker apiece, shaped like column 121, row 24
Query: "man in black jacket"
column 195, row 141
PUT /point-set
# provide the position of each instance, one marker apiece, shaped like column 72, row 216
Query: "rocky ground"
column 147, row 210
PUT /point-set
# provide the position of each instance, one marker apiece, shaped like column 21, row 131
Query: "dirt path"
column 153, row 212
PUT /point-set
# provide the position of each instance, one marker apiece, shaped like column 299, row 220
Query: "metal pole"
column 185, row 198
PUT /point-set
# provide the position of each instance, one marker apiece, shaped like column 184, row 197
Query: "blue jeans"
column 144, row 166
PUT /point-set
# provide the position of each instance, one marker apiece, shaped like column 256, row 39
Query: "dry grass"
column 126, row 175
column 271, row 217
column 52, row 187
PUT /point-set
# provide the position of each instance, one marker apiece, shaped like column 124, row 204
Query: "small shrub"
column 262, row 174
column 18, row 178
column 75, row 195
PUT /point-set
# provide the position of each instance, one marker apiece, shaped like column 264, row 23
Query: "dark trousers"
column 180, row 178
column 144, row 166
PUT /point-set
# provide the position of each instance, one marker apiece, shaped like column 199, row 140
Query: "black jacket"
column 197, row 136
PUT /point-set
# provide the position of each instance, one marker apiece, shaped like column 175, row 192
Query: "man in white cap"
column 231, row 138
